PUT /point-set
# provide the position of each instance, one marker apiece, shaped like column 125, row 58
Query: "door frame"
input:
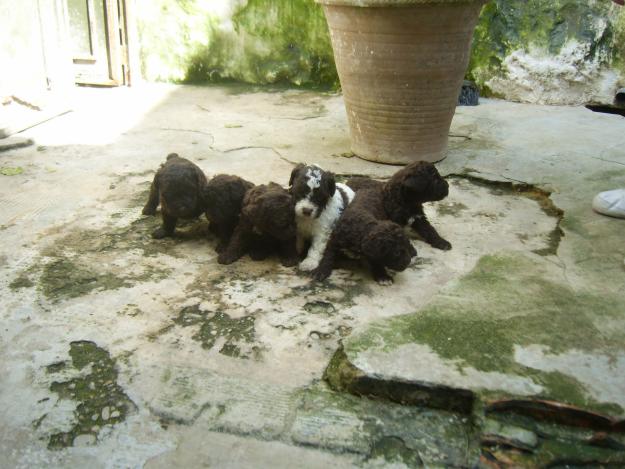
column 116, row 36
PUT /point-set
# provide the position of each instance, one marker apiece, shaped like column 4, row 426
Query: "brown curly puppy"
column 177, row 187
column 266, row 225
column 403, row 197
column 362, row 231
column 223, row 198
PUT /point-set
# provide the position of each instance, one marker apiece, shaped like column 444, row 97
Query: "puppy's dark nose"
column 307, row 212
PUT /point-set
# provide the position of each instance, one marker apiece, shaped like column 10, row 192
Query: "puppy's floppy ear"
column 296, row 172
column 414, row 183
column 328, row 183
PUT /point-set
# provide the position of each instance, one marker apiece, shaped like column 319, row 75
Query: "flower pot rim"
column 390, row 3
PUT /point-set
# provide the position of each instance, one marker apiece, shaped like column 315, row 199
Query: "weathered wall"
column 542, row 51
column 255, row 41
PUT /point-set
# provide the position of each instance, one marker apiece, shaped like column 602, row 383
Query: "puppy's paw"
column 441, row 244
column 160, row 233
column 383, row 278
column 225, row 258
column 308, row 264
column 289, row 261
column 319, row 274
column 258, row 254
column 149, row 210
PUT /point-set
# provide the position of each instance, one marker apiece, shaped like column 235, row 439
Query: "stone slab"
column 512, row 328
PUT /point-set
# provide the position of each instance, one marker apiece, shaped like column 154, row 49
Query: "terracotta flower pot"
column 401, row 64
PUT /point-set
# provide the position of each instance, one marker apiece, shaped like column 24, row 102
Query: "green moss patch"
column 63, row 278
column 11, row 171
column 238, row 332
column 506, row 301
column 22, row 281
column 277, row 41
column 383, row 432
column 393, row 449
column 267, row 42
column 83, row 261
column 450, row 208
column 101, row 400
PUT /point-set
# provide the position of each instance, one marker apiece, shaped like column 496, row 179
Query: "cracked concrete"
column 224, row 365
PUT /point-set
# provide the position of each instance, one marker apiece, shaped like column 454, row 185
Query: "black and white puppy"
column 319, row 202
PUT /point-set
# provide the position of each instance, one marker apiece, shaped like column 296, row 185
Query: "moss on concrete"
column 11, row 171
column 450, row 208
column 393, row 449
column 101, row 400
column 22, row 281
column 385, row 433
column 554, row 452
column 62, row 278
column 343, row 293
column 506, row 301
column 82, row 261
column 237, row 332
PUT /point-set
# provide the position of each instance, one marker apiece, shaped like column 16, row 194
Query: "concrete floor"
column 121, row 351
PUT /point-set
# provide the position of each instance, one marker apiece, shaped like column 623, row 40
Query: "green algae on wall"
column 260, row 42
column 506, row 26
column 287, row 41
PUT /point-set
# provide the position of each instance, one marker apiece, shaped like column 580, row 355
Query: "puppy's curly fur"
column 403, row 197
column 177, row 187
column 363, row 231
column 266, row 225
column 223, row 199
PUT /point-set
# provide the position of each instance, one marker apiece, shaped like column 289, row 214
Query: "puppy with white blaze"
column 319, row 202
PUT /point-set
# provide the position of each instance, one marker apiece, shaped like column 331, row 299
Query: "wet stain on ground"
column 530, row 191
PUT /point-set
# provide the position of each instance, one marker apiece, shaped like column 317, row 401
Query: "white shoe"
column 611, row 203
